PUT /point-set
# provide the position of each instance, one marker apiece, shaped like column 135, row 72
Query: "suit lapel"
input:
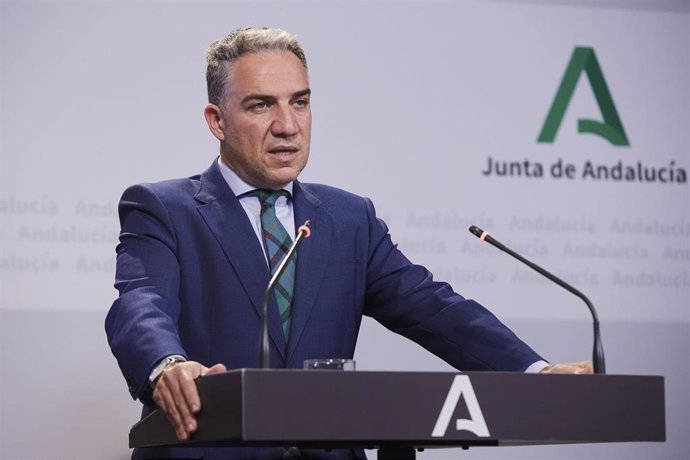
column 228, row 222
column 312, row 257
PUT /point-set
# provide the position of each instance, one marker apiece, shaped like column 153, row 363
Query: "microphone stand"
column 302, row 232
column 598, row 349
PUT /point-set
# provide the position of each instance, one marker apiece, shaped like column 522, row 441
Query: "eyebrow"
column 269, row 98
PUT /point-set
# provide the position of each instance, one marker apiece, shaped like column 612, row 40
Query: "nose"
column 284, row 124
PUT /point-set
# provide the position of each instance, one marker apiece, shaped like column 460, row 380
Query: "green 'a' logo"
column 611, row 129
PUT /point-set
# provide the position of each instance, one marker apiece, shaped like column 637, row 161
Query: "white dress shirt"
column 252, row 205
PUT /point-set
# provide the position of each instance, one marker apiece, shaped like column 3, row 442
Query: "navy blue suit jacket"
column 191, row 275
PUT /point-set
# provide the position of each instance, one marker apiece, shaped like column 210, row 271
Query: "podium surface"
column 329, row 409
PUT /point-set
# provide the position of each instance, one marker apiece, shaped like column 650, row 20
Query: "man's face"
column 266, row 119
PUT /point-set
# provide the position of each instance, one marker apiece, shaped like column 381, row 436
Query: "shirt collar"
column 235, row 182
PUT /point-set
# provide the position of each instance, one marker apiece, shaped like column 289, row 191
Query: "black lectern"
column 398, row 412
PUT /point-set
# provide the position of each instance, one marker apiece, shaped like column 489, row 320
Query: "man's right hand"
column 176, row 394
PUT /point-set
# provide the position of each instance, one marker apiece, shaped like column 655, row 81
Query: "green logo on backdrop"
column 611, row 129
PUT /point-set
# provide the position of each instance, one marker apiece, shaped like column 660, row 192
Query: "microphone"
column 598, row 351
column 302, row 232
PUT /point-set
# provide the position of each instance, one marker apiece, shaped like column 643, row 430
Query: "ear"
column 214, row 119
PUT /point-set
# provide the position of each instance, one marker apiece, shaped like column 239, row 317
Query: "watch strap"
column 162, row 366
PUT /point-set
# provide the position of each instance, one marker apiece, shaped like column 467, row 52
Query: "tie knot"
column 268, row 197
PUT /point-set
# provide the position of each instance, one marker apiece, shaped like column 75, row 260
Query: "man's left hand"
column 583, row 367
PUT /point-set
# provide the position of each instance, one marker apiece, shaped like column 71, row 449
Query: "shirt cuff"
column 536, row 367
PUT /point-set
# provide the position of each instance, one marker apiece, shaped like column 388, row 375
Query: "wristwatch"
column 164, row 364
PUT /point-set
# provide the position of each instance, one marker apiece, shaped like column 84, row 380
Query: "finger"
column 554, row 369
column 215, row 369
column 166, row 401
column 585, row 367
column 190, row 395
column 190, row 391
column 185, row 395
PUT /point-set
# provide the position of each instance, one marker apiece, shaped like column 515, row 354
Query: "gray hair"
column 225, row 51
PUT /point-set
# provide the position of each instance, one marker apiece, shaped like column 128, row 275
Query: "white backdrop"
column 410, row 100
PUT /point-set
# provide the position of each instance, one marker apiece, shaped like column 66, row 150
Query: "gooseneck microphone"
column 302, row 232
column 598, row 352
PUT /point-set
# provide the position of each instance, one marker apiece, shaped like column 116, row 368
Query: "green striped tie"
column 277, row 242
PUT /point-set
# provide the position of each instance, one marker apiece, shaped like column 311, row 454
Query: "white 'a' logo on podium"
column 475, row 424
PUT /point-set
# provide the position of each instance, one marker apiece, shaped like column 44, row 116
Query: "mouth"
column 283, row 150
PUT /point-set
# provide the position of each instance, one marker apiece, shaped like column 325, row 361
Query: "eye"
column 258, row 106
column 301, row 103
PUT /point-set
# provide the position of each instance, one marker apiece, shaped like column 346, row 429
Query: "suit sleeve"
column 406, row 299
column 142, row 324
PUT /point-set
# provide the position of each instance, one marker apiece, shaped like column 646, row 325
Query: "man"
column 195, row 256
